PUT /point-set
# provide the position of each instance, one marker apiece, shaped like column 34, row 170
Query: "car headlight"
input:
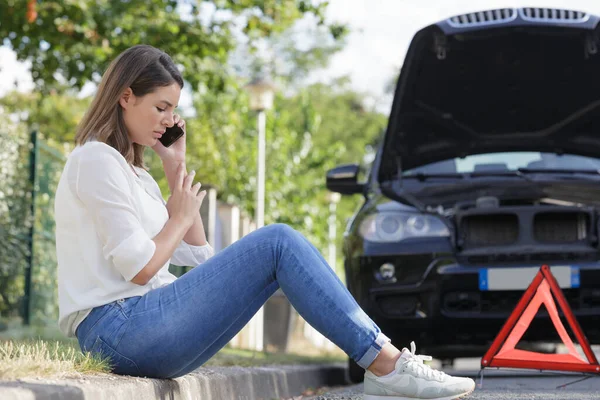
column 396, row 226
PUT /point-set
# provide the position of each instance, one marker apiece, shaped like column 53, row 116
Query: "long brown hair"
column 143, row 68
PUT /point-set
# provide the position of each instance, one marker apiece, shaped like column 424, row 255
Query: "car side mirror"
column 343, row 179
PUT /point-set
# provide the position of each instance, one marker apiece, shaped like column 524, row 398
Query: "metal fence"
column 27, row 261
column 40, row 293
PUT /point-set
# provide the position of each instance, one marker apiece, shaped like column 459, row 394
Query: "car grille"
column 560, row 227
column 483, row 17
column 489, row 230
column 525, row 226
column 502, row 302
column 552, row 14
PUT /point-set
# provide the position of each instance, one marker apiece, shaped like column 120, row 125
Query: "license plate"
column 520, row 278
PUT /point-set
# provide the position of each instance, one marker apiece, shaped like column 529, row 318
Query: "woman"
column 115, row 238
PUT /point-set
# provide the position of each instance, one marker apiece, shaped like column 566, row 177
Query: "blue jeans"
column 172, row 330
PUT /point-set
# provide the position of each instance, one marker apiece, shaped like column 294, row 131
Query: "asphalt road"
column 505, row 384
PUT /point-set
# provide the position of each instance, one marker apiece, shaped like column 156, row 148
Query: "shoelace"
column 415, row 361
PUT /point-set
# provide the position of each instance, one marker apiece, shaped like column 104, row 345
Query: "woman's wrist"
column 184, row 223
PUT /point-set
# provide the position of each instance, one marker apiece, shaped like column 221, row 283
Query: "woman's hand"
column 185, row 201
column 176, row 152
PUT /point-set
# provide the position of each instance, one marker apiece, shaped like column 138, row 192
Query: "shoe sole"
column 454, row 397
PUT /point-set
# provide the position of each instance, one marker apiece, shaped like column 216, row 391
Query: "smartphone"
column 171, row 135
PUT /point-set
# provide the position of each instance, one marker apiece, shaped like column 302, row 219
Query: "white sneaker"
column 412, row 379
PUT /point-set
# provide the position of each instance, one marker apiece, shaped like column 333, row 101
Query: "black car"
column 488, row 169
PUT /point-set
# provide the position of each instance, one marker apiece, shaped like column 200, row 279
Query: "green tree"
column 309, row 131
column 54, row 115
column 75, row 40
column 332, row 127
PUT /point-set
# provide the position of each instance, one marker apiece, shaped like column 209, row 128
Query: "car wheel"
column 356, row 373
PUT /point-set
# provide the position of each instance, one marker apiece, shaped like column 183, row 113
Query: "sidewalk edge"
column 214, row 383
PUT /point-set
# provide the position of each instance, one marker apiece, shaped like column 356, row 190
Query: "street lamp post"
column 261, row 92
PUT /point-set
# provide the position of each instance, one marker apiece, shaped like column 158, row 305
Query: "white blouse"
column 106, row 216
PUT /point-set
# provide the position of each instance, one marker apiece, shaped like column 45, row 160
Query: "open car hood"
column 494, row 81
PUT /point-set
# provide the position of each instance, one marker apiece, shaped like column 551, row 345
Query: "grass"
column 40, row 358
column 45, row 352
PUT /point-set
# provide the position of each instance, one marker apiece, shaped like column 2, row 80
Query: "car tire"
column 356, row 373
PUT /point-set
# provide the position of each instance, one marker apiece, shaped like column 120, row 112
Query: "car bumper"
column 448, row 307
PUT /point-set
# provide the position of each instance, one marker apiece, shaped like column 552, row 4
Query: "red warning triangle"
column 502, row 352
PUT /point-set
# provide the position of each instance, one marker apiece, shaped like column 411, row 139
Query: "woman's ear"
column 127, row 98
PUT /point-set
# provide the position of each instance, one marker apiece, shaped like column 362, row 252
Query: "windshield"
column 511, row 161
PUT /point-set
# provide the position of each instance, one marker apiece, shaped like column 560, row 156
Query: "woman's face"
column 147, row 117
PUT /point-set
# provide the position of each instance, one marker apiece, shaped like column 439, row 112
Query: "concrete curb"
column 214, row 383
